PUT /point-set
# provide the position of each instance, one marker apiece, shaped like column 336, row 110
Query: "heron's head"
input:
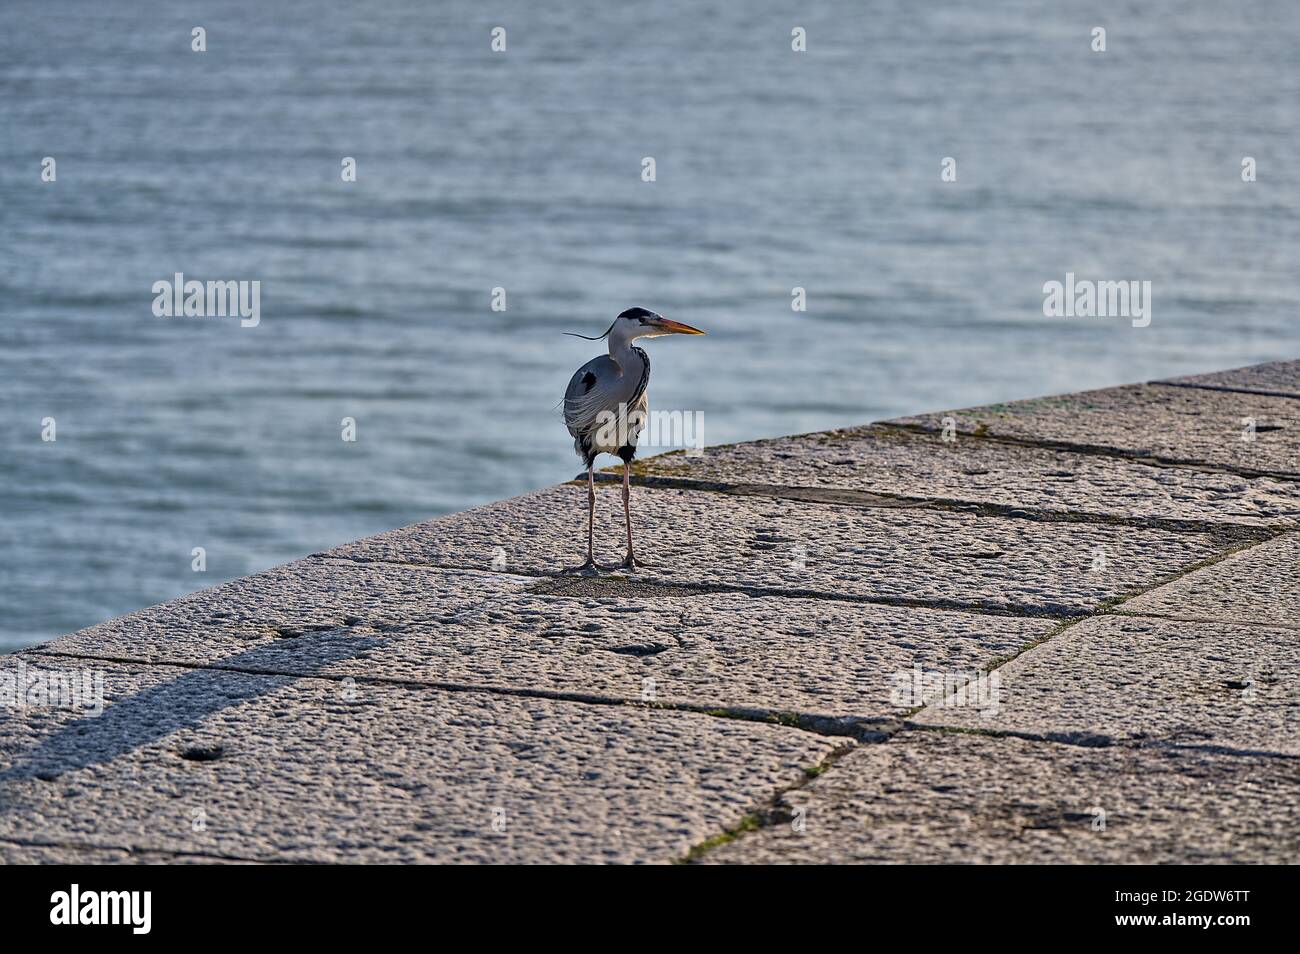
column 642, row 323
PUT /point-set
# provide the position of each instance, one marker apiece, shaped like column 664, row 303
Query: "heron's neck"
column 620, row 347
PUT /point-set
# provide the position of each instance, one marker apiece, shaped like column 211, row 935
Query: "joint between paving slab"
column 870, row 500
column 619, row 585
column 1088, row 740
column 859, row 728
column 1205, row 620
column 1261, row 392
column 769, row 813
column 1103, row 450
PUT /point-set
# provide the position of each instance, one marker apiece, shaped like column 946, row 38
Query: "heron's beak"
column 675, row 327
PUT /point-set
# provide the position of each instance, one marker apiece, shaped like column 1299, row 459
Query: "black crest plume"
column 574, row 334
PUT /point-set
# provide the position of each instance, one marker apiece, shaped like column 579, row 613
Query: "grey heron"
column 605, row 407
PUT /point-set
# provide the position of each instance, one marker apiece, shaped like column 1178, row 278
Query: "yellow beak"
column 676, row 327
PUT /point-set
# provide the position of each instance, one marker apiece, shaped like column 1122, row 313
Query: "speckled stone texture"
column 1121, row 680
column 422, row 625
column 279, row 769
column 697, row 537
column 885, row 460
column 1276, row 377
column 1257, row 585
column 1196, row 425
column 943, row 798
column 439, row 693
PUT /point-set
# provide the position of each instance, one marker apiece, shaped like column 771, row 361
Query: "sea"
column 919, row 170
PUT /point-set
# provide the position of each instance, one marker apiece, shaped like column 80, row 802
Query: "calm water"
column 522, row 170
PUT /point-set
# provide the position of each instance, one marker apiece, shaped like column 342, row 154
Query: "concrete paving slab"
column 1257, row 585
column 1276, row 377
column 436, row 694
column 1142, row 680
column 696, row 537
column 944, row 798
column 275, row 769
column 1191, row 425
column 887, row 460
column 715, row 651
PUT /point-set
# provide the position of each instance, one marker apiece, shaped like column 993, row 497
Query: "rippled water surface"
column 522, row 170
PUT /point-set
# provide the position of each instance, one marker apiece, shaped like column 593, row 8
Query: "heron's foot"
column 629, row 563
column 590, row 568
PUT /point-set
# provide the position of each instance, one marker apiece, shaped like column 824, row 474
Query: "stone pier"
column 1064, row 629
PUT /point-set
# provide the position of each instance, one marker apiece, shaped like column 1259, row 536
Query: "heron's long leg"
column 591, row 510
column 589, row 568
column 628, row 561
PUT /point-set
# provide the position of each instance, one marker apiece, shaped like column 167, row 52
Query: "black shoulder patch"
column 645, row 374
column 588, row 382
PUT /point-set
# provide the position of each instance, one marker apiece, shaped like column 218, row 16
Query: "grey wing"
column 588, row 394
column 596, row 387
